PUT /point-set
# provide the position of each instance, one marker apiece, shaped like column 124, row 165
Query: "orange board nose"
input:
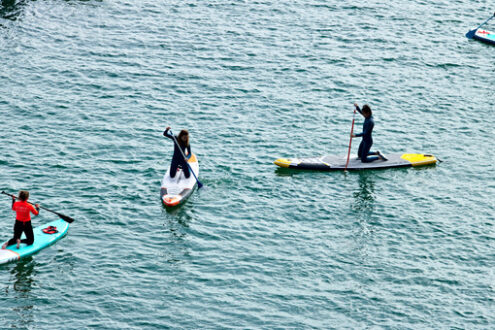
column 171, row 201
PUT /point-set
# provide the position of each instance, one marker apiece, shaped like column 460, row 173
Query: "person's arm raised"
column 358, row 109
column 167, row 134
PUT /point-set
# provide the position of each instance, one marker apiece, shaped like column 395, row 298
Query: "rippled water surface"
column 89, row 86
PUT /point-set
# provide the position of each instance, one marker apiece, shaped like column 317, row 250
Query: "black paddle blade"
column 66, row 218
column 62, row 216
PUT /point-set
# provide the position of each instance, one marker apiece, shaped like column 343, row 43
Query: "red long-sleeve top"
column 24, row 210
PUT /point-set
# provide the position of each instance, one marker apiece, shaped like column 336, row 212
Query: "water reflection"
column 179, row 214
column 22, row 273
column 280, row 171
column 174, row 239
column 364, row 197
column 363, row 205
column 177, row 219
column 11, row 9
column 23, row 280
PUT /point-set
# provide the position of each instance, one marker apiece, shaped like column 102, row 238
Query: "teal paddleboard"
column 44, row 236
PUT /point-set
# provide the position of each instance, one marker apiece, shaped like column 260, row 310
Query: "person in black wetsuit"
column 367, row 141
column 177, row 158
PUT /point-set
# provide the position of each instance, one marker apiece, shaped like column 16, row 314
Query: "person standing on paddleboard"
column 23, row 211
column 177, row 158
column 367, row 141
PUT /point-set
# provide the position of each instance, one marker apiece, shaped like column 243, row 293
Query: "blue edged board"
column 41, row 241
column 485, row 36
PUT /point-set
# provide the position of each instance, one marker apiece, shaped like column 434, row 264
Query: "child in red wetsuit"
column 23, row 220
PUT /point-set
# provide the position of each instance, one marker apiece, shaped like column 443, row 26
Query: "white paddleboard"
column 176, row 190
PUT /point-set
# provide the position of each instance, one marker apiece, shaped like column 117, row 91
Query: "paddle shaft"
column 485, row 21
column 64, row 217
column 471, row 33
column 183, row 155
column 350, row 140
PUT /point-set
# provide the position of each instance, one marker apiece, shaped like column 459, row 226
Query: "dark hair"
column 23, row 195
column 182, row 133
column 367, row 110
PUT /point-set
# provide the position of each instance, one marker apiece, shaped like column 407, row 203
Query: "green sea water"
column 87, row 88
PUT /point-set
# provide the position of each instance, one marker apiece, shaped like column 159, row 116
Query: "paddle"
column 182, row 152
column 350, row 139
column 471, row 33
column 62, row 216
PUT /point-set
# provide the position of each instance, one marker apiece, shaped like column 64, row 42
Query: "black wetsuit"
column 367, row 141
column 177, row 158
column 20, row 227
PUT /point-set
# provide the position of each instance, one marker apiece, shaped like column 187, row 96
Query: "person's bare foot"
column 4, row 246
column 381, row 156
column 18, row 243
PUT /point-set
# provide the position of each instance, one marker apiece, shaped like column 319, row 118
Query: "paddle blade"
column 60, row 215
column 200, row 185
column 66, row 218
column 470, row 34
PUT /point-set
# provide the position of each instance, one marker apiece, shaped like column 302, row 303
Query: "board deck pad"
column 41, row 241
column 176, row 190
column 330, row 163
